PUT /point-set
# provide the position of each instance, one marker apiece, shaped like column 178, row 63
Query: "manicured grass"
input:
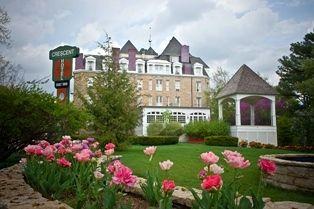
column 187, row 164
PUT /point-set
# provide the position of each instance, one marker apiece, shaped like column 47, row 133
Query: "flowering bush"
column 79, row 168
column 217, row 195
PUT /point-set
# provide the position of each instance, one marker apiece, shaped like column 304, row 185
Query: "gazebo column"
column 252, row 115
column 220, row 113
column 273, row 112
column 238, row 111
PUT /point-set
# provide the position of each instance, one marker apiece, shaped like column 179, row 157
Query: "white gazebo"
column 246, row 84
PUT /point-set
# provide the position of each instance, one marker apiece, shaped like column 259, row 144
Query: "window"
column 123, row 66
column 174, row 59
column 159, row 100
column 140, row 68
column 177, row 101
column 178, row 117
column 199, row 101
column 90, row 82
column 159, row 68
column 150, row 85
column 167, row 85
column 150, row 68
column 177, row 70
column 197, row 116
column 168, row 69
column 90, row 65
column 150, row 101
column 154, row 117
column 139, row 84
column 168, row 101
column 158, row 85
column 177, row 85
column 198, row 86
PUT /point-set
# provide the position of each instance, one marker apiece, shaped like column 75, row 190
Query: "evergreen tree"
column 112, row 100
column 297, row 86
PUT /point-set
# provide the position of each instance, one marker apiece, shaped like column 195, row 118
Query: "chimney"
column 79, row 62
column 115, row 57
column 132, row 59
column 187, row 69
column 185, row 54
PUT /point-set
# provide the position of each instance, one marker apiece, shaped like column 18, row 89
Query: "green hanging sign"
column 64, row 52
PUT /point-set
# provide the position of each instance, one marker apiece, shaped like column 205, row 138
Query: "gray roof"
column 246, row 81
column 149, row 51
column 173, row 48
column 99, row 59
column 128, row 45
column 194, row 60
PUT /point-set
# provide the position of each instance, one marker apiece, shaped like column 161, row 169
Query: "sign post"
column 62, row 59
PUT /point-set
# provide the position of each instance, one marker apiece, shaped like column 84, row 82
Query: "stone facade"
column 188, row 93
column 291, row 175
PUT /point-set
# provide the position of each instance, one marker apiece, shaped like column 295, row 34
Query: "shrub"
column 228, row 141
column 286, row 135
column 154, row 129
column 201, row 129
column 243, row 143
column 28, row 113
column 172, row 129
column 154, row 140
column 269, row 146
column 254, row 144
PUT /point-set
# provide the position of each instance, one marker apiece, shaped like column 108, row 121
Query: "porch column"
column 252, row 115
column 238, row 112
column 220, row 113
column 273, row 112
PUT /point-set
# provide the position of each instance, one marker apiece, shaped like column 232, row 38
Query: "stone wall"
column 291, row 174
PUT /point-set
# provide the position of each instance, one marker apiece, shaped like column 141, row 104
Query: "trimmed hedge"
column 202, row 129
column 227, row 141
column 154, row 140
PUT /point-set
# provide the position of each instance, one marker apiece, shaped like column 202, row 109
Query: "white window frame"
column 198, row 69
column 159, row 101
column 159, row 85
column 142, row 63
column 177, row 85
column 175, row 66
column 198, row 86
column 177, row 101
column 167, row 85
column 124, row 64
column 89, row 60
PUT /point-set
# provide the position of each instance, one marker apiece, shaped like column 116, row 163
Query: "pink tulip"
column 267, row 166
column 83, row 156
column 227, row 153
column 109, row 152
column 49, row 150
column 213, row 182
column 98, row 153
column 216, row 169
column 98, row 175
column 209, row 158
column 165, row 165
column 168, row 185
column 110, row 146
column 123, row 176
column 33, row 150
column 63, row 162
column 150, row 150
column 202, row 174
column 237, row 162
column 112, row 167
column 77, row 147
column 44, row 144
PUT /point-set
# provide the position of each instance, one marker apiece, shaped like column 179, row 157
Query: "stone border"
column 15, row 193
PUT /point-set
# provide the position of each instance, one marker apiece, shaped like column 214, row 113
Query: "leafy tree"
column 296, row 85
column 112, row 100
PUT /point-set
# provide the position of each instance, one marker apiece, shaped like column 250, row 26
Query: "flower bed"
column 94, row 179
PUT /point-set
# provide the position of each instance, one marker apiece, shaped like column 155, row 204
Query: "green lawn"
column 187, row 164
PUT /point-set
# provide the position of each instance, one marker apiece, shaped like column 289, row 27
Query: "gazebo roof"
column 246, row 81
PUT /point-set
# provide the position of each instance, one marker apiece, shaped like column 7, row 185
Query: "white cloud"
column 90, row 33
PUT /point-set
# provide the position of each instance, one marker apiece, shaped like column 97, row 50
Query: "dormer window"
column 198, row 69
column 123, row 64
column 90, row 63
column 177, row 68
column 140, row 66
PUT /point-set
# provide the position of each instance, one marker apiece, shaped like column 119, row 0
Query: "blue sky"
column 224, row 33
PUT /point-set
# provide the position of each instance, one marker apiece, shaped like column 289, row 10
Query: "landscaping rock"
column 15, row 193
